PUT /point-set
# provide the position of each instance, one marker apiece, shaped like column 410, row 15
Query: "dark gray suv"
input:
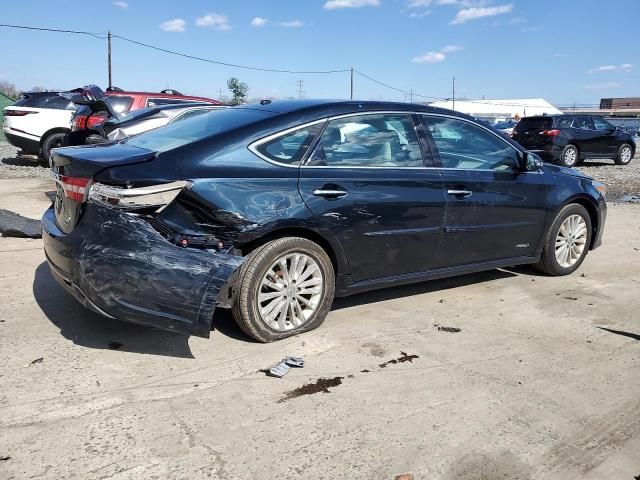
column 569, row 139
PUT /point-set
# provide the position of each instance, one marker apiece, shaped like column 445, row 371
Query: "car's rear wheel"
column 625, row 154
column 567, row 241
column 570, row 156
column 52, row 141
column 284, row 288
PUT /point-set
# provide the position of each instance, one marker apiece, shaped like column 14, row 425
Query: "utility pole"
column 454, row 93
column 411, row 96
column 109, row 57
column 300, row 88
column 351, row 83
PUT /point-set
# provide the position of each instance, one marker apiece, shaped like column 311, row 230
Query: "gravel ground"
column 12, row 167
column 620, row 181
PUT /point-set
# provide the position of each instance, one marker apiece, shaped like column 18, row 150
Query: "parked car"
column 117, row 128
column 272, row 209
column 38, row 122
column 570, row 139
column 96, row 106
column 506, row 126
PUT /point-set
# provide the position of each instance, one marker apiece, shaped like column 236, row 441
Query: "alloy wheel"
column 570, row 156
column 571, row 241
column 625, row 154
column 290, row 292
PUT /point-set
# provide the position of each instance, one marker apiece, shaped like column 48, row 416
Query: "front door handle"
column 329, row 193
column 460, row 193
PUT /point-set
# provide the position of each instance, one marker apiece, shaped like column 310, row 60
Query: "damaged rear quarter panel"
column 131, row 272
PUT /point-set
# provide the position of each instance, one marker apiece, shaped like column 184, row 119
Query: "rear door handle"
column 329, row 193
column 460, row 193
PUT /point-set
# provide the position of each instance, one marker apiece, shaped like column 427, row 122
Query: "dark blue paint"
column 394, row 226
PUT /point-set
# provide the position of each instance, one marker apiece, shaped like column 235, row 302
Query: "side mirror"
column 532, row 162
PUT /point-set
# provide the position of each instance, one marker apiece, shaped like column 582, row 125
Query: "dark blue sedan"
column 273, row 209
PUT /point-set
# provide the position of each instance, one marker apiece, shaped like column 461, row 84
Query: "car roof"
column 154, row 94
column 337, row 107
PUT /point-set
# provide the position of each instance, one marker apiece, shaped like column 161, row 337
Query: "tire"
column 52, row 140
column 625, row 154
column 570, row 156
column 549, row 261
column 254, row 317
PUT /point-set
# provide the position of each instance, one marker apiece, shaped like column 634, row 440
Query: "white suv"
column 38, row 122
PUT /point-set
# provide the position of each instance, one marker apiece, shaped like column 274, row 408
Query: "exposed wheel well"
column 53, row 130
column 295, row 232
column 593, row 215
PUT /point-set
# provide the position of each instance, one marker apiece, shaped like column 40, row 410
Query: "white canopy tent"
column 523, row 107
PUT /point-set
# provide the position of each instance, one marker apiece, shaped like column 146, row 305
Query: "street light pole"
column 351, row 83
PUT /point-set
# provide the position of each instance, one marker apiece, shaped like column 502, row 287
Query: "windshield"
column 196, row 128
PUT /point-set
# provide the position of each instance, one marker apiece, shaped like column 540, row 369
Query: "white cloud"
column 452, row 48
column 436, row 57
column 460, row 3
column 517, row 21
column 216, row 21
column 625, row 67
column 603, row 86
column 175, row 25
column 430, row 57
column 292, row 24
column 259, row 22
column 123, row 5
column 334, row 4
column 474, row 13
column 419, row 14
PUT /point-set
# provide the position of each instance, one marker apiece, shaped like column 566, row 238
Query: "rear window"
column 177, row 134
column 46, row 100
column 536, row 123
column 156, row 102
column 120, row 103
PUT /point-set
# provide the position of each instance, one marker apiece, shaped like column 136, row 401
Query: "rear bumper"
column 551, row 153
column 117, row 265
column 27, row 145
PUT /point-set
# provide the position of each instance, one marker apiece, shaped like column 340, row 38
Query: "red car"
column 122, row 102
column 118, row 103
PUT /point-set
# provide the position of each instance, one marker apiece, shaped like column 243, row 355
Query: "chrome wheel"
column 570, row 156
column 290, row 292
column 571, row 241
column 625, row 154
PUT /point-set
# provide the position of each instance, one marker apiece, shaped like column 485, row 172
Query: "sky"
column 570, row 51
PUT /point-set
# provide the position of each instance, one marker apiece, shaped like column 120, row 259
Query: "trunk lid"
column 75, row 167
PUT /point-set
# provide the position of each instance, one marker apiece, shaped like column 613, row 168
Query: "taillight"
column 550, row 133
column 18, row 113
column 96, row 119
column 155, row 197
column 79, row 122
column 74, row 188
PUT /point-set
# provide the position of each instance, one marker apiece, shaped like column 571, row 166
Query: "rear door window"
column 45, row 100
column 379, row 140
column 583, row 122
column 121, row 104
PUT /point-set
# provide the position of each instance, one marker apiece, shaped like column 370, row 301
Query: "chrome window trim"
column 255, row 144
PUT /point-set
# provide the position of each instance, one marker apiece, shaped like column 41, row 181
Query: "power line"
column 407, row 93
column 226, row 64
column 98, row 35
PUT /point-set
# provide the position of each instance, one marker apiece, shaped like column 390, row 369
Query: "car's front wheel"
column 625, row 154
column 570, row 156
column 285, row 287
column 567, row 241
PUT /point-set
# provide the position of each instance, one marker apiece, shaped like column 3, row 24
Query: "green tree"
column 239, row 91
